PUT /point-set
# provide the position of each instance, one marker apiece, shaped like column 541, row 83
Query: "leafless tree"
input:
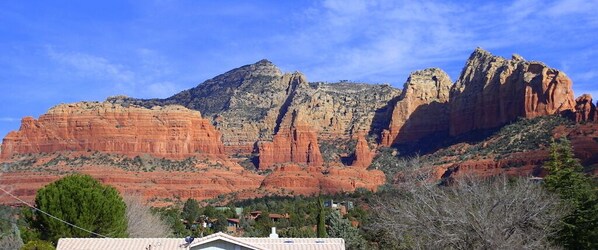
column 10, row 237
column 142, row 223
column 470, row 213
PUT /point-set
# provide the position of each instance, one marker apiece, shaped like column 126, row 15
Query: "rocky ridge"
column 248, row 104
column 493, row 91
column 170, row 131
column 282, row 118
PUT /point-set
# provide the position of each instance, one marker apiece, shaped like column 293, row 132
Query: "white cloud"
column 161, row 89
column 94, row 66
column 9, row 119
column 382, row 40
column 143, row 77
column 569, row 7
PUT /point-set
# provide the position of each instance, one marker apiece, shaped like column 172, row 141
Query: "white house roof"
column 179, row 243
column 120, row 243
column 276, row 243
column 298, row 243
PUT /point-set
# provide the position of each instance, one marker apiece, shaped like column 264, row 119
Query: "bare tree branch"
column 471, row 213
column 142, row 223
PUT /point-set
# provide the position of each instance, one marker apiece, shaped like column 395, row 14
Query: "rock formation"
column 296, row 142
column 283, row 117
column 585, row 110
column 172, row 131
column 422, row 108
column 247, row 104
column 493, row 91
column 363, row 154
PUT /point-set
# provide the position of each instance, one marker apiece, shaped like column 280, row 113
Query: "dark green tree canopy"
column 191, row 211
column 566, row 178
column 82, row 201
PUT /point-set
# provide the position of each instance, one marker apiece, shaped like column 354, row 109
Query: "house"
column 278, row 217
column 232, row 225
column 217, row 241
column 343, row 207
column 253, row 215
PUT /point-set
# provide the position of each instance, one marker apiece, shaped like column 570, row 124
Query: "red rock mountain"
column 283, row 121
column 493, row 91
column 171, row 131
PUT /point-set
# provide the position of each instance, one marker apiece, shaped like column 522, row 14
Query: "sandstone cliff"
column 422, row 108
column 296, row 141
column 493, row 91
column 363, row 154
column 172, row 131
column 585, row 110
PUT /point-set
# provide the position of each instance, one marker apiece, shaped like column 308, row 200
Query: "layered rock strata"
column 422, row 108
column 171, row 131
column 493, row 91
column 295, row 142
column 307, row 180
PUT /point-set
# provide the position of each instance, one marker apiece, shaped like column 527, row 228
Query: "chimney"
column 273, row 235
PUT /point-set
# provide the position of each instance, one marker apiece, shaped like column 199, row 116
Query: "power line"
column 52, row 216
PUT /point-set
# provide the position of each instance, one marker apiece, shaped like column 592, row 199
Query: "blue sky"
column 55, row 52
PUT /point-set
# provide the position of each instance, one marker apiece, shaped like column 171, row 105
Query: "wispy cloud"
column 9, row 119
column 142, row 78
column 90, row 65
column 377, row 39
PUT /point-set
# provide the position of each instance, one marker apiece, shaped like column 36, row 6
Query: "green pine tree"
column 579, row 229
column 341, row 228
column 190, row 211
column 321, row 227
column 82, row 201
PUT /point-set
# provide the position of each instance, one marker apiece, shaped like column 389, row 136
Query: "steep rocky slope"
column 171, row 131
column 248, row 104
column 519, row 148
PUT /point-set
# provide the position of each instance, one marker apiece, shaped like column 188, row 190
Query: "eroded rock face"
column 247, row 104
column 296, row 141
column 585, row 110
column 171, row 131
column 363, row 154
column 493, row 91
column 341, row 110
column 422, row 108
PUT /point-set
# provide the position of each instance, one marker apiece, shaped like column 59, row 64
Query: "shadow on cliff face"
column 382, row 117
column 427, row 130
